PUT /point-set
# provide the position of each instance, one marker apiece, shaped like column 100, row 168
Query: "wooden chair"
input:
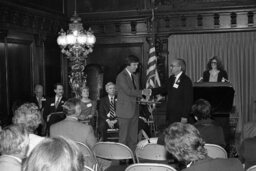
column 252, row 168
column 149, row 167
column 216, row 151
column 89, row 156
column 151, row 152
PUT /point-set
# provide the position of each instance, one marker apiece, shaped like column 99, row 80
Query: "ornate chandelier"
column 76, row 44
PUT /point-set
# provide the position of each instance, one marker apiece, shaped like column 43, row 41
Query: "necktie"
column 112, row 108
column 134, row 86
column 57, row 102
column 40, row 102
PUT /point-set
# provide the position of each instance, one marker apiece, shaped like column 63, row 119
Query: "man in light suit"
column 14, row 142
column 54, row 104
column 107, row 119
column 71, row 127
column 127, row 108
column 179, row 92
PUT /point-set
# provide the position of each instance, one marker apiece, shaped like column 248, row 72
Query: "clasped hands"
column 146, row 92
column 111, row 123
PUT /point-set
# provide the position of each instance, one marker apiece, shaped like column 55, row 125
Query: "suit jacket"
column 222, row 74
column 247, row 152
column 211, row 132
column 219, row 164
column 74, row 130
column 34, row 100
column 180, row 99
column 127, row 105
column 50, row 106
column 9, row 163
column 104, row 109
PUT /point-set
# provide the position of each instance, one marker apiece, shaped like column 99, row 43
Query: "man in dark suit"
column 54, row 104
column 40, row 101
column 179, row 91
column 38, row 98
column 107, row 111
column 127, row 108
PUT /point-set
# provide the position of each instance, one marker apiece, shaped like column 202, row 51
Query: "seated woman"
column 215, row 71
column 210, row 131
column 184, row 142
column 55, row 154
column 88, row 106
column 28, row 115
column 13, row 147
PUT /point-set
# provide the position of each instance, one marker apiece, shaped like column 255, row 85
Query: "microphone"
column 224, row 80
column 199, row 80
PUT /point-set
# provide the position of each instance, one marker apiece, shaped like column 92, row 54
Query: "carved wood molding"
column 30, row 20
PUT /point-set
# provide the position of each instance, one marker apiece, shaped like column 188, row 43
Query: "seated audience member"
column 184, row 142
column 55, row 103
column 215, row 71
column 209, row 130
column 29, row 116
column 107, row 111
column 88, row 106
column 55, row 154
column 247, row 152
column 71, row 127
column 13, row 147
column 249, row 130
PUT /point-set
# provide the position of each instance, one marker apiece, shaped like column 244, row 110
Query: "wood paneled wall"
column 29, row 53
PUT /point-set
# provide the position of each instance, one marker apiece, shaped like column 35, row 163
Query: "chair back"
column 149, row 167
column 113, row 151
column 252, row 168
column 89, row 156
column 216, row 151
column 87, row 168
column 151, row 152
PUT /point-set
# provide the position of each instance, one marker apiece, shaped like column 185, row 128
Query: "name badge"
column 89, row 105
column 175, row 85
column 52, row 104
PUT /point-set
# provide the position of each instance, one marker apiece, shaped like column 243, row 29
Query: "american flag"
column 153, row 80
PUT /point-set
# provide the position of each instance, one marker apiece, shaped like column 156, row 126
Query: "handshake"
column 146, row 92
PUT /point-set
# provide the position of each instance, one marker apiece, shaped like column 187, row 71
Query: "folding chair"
column 252, row 168
column 87, row 168
column 149, row 167
column 152, row 152
column 89, row 156
column 113, row 151
column 215, row 151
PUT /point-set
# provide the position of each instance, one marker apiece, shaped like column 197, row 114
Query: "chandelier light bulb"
column 71, row 39
column 82, row 39
column 75, row 33
column 91, row 39
column 61, row 40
